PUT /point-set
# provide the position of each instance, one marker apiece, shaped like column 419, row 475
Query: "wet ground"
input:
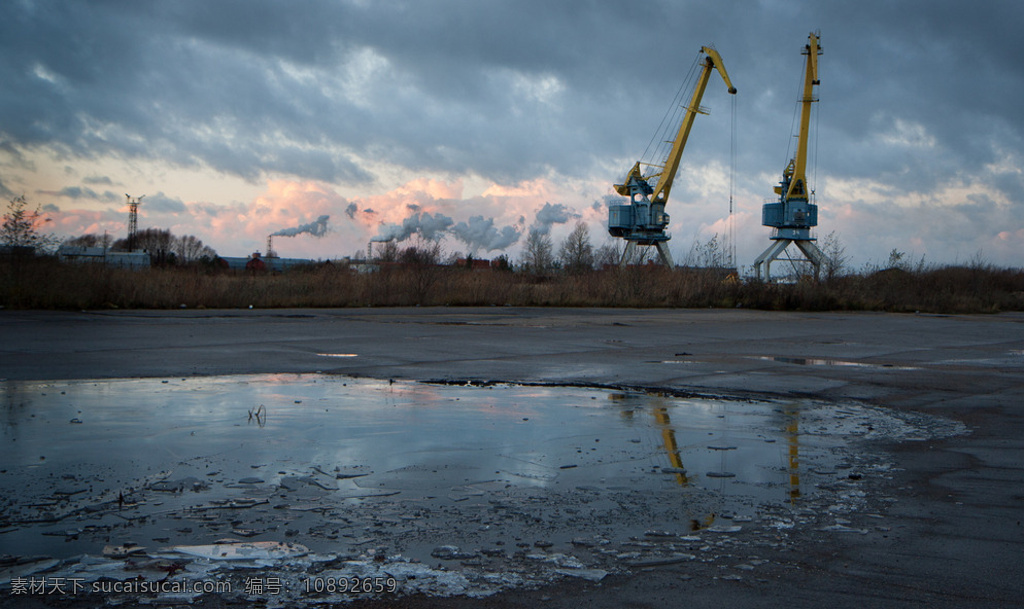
column 517, row 455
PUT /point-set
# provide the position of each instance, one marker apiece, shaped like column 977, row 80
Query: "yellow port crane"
column 643, row 220
column 794, row 214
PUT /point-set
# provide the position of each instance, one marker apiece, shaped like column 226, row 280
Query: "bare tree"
column 158, row 242
column 190, row 249
column 576, row 253
column 537, row 256
column 501, row 263
column 835, row 256
column 387, row 251
column 609, row 254
column 87, row 240
column 896, row 259
column 422, row 252
column 164, row 247
column 21, row 226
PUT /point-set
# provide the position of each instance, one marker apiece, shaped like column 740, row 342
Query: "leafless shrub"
column 46, row 283
column 835, row 257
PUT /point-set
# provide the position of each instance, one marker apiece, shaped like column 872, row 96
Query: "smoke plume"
column 550, row 215
column 429, row 226
column 480, row 233
column 317, row 228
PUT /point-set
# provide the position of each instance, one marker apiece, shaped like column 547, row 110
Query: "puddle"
column 810, row 361
column 445, row 489
column 1011, row 359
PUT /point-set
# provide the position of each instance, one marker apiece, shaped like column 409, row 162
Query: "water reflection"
column 174, row 448
column 793, row 441
column 817, row 361
column 668, row 436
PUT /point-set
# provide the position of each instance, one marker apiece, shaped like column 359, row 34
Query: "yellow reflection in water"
column 793, row 440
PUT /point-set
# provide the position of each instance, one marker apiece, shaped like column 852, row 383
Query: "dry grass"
column 48, row 284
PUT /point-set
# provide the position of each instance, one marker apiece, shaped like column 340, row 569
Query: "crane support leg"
column 663, row 253
column 666, row 256
column 809, row 249
column 627, row 254
column 767, row 256
column 813, row 253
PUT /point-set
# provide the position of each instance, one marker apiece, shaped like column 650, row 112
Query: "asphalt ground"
column 952, row 536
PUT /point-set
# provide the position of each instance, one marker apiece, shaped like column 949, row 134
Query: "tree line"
column 163, row 247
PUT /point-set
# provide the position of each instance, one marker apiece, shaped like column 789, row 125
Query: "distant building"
column 17, row 251
column 474, row 263
column 273, row 263
column 254, row 264
column 361, row 265
column 104, row 256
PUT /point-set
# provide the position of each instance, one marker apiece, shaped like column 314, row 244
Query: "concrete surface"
column 955, row 536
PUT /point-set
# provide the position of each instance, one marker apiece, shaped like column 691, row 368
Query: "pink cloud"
column 75, row 222
column 238, row 228
column 421, row 194
column 1011, row 236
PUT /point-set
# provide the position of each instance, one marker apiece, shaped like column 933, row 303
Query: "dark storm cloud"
column 163, row 204
column 913, row 93
column 504, row 90
column 507, row 90
column 77, row 192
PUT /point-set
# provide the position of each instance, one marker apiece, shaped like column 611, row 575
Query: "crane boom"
column 712, row 60
column 798, row 182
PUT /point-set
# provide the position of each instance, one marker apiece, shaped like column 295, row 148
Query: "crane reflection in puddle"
column 793, row 443
column 727, row 431
column 668, row 437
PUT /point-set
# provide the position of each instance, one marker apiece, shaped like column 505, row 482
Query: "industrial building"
column 104, row 256
column 273, row 263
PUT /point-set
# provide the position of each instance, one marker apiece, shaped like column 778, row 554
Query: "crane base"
column 808, row 247
column 663, row 253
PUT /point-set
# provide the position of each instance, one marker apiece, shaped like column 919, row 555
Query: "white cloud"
column 905, row 133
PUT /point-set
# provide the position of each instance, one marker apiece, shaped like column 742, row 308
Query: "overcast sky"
column 473, row 121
